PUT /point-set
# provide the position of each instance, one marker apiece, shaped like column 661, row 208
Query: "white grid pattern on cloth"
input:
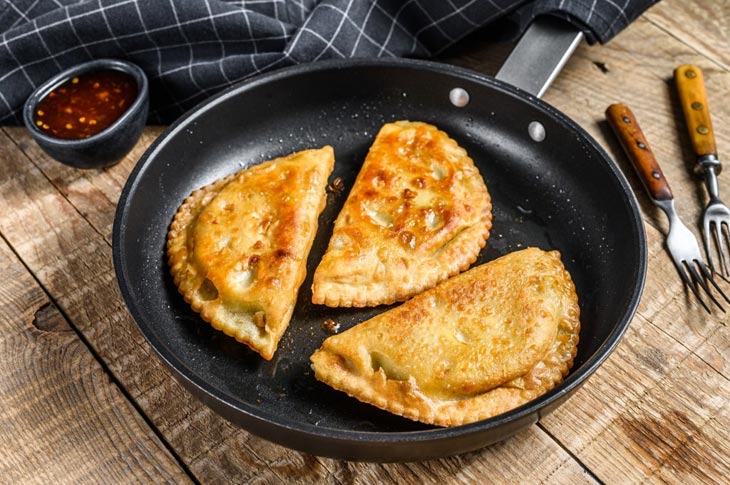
column 191, row 49
column 362, row 33
column 220, row 42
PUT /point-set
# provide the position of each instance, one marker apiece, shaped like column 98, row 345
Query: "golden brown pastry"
column 417, row 213
column 477, row 345
column 238, row 248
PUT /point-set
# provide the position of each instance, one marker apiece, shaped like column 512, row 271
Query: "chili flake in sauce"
column 86, row 104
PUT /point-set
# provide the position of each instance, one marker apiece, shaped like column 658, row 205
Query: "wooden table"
column 84, row 398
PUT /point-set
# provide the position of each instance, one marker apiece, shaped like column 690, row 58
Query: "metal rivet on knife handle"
column 634, row 143
column 693, row 98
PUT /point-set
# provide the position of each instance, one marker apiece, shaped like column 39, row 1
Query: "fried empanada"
column 238, row 248
column 418, row 213
column 476, row 345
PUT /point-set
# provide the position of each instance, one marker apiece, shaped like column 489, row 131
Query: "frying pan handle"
column 693, row 98
column 628, row 131
column 540, row 54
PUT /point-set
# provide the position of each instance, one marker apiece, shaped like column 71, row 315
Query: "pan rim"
column 257, row 418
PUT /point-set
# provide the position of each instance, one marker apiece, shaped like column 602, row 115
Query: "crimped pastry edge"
column 388, row 394
column 177, row 253
column 457, row 257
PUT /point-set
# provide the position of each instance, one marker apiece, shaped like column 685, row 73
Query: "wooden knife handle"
column 628, row 131
column 693, row 98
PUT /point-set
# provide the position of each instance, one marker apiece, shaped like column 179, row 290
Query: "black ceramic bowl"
column 109, row 145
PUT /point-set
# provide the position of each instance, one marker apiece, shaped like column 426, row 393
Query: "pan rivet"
column 459, row 97
column 536, row 131
column 702, row 130
column 697, row 105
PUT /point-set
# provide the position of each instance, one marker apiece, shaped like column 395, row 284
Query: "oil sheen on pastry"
column 238, row 248
column 477, row 345
column 418, row 213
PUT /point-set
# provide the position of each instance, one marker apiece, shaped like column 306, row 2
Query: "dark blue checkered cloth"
column 191, row 49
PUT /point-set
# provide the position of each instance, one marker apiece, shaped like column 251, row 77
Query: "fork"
column 693, row 98
column 682, row 244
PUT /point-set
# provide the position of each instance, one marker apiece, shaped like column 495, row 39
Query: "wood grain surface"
column 61, row 414
column 83, row 398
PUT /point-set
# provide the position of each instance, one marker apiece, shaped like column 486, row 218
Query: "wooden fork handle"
column 629, row 133
column 693, row 98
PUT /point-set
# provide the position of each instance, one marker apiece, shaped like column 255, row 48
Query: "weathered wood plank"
column 612, row 425
column 61, row 419
column 703, row 25
column 529, row 457
column 676, row 424
column 716, row 351
column 94, row 192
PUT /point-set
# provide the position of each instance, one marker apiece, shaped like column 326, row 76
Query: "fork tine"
column 691, row 284
column 696, row 277
column 723, row 231
column 708, row 276
column 706, row 231
column 721, row 235
column 717, row 234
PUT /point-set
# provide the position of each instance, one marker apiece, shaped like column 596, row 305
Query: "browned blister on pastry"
column 238, row 248
column 418, row 213
column 476, row 345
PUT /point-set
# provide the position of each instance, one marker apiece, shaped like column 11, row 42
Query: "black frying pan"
column 560, row 193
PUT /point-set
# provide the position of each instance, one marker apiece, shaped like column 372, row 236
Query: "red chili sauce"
column 86, row 104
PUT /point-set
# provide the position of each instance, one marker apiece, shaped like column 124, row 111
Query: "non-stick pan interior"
column 559, row 193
